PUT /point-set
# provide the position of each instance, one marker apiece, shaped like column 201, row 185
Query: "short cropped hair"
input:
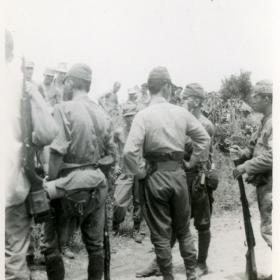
column 81, row 84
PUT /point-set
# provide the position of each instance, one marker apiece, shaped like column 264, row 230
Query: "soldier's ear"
column 268, row 100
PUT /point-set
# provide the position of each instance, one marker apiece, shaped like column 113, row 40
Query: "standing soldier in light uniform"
column 154, row 150
column 127, row 186
column 258, row 157
column 193, row 97
column 47, row 89
column 29, row 70
column 58, row 82
column 17, row 219
column 133, row 95
column 80, row 188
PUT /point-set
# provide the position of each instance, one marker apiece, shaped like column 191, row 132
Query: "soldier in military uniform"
column 80, row 191
column 133, row 95
column 154, row 150
column 193, row 97
column 47, row 89
column 258, row 157
column 126, row 186
column 58, row 82
column 17, row 219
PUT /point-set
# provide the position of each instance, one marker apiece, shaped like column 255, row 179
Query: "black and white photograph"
column 137, row 140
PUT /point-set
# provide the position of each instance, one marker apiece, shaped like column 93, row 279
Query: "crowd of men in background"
column 162, row 160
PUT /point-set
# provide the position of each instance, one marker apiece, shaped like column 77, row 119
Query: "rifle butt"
column 251, row 268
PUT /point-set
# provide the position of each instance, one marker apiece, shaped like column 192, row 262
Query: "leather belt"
column 170, row 165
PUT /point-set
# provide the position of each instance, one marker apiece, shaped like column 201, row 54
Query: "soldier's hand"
column 186, row 165
column 238, row 171
column 117, row 172
column 235, row 152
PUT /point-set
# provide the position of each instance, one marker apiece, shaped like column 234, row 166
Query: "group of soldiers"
column 162, row 158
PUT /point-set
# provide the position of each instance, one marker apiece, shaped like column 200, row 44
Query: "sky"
column 197, row 40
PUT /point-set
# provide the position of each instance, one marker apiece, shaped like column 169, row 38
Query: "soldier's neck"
column 268, row 111
column 78, row 93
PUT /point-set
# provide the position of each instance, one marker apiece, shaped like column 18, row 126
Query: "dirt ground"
column 226, row 256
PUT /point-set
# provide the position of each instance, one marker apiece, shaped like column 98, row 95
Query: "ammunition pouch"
column 212, row 179
column 38, row 206
column 78, row 203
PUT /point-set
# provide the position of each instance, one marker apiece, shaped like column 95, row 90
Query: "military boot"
column 204, row 238
column 95, row 267
column 151, row 270
column 55, row 267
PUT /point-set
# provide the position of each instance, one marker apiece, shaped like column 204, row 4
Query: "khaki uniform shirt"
column 77, row 142
column 261, row 149
column 162, row 127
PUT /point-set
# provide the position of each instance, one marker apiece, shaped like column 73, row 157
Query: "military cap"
column 61, row 67
column 264, row 88
column 133, row 90
column 29, row 64
column 130, row 109
column 159, row 74
column 194, row 89
column 49, row 72
column 80, row 71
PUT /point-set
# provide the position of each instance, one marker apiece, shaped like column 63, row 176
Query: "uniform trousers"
column 167, row 211
column 17, row 239
column 264, row 196
column 91, row 224
column 127, row 191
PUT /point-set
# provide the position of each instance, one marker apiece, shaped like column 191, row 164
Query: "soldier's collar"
column 157, row 99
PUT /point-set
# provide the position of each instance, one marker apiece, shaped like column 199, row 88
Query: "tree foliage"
column 237, row 86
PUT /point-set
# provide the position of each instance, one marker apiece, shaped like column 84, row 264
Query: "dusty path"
column 226, row 256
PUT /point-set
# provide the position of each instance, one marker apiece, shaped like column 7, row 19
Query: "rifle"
column 37, row 202
column 106, row 245
column 251, row 269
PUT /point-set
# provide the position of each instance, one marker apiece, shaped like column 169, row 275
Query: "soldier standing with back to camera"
column 257, row 158
column 80, row 188
column 201, row 199
column 154, row 150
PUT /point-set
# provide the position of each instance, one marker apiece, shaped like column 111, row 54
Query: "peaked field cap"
column 49, row 71
column 29, row 64
column 133, row 90
column 80, row 71
column 264, row 87
column 194, row 89
column 62, row 67
column 159, row 73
